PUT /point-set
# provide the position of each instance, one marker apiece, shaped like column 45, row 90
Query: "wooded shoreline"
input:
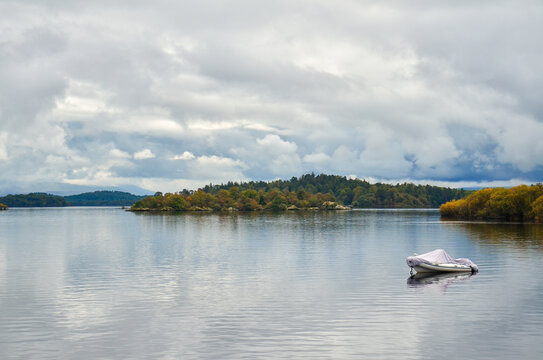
column 310, row 191
column 520, row 203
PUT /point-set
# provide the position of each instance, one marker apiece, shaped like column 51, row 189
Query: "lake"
column 94, row 283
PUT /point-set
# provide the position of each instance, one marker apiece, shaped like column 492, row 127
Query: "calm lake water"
column 91, row 283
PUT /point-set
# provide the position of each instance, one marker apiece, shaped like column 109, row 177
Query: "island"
column 33, row 200
column 95, row 198
column 236, row 200
column 103, row 198
column 309, row 192
column 520, row 203
column 357, row 193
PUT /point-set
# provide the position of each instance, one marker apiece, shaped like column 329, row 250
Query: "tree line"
column 236, row 199
column 307, row 191
column 96, row 198
column 355, row 192
column 103, row 198
column 33, row 200
column 302, row 192
column 520, row 203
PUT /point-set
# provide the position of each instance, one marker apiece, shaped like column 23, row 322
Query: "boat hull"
column 423, row 268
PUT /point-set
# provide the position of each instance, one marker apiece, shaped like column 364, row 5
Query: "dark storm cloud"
column 177, row 94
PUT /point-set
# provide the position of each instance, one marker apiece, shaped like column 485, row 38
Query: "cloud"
column 282, row 155
column 144, row 154
column 433, row 91
column 187, row 155
column 3, row 150
column 271, row 156
column 116, row 153
column 524, row 148
column 316, row 158
column 217, row 169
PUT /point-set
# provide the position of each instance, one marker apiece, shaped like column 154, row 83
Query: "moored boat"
column 439, row 261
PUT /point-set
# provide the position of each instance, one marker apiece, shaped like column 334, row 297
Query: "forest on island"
column 308, row 191
column 520, row 203
column 355, row 192
column 33, row 200
column 236, row 199
column 95, row 198
column 103, row 198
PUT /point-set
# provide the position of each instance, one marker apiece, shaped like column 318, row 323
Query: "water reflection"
column 436, row 281
column 105, row 283
column 528, row 236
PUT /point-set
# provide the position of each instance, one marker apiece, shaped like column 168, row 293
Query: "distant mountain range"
column 95, row 198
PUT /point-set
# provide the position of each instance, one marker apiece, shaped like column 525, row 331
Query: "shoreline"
column 232, row 210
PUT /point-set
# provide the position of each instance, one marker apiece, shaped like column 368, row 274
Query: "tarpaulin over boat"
column 438, row 256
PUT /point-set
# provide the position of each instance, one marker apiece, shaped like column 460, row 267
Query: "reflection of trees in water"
column 516, row 235
column 334, row 219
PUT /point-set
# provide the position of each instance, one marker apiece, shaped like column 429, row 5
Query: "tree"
column 520, row 203
column 278, row 204
column 537, row 209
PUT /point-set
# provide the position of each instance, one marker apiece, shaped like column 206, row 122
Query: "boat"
column 439, row 261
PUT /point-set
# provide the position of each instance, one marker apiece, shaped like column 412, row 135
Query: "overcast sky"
column 166, row 95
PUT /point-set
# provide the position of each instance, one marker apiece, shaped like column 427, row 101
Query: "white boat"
column 421, row 268
column 439, row 261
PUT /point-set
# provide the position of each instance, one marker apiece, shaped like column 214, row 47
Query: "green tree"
column 278, row 204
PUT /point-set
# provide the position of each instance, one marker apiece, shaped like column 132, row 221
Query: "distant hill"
column 103, row 198
column 355, row 192
column 33, row 200
column 96, row 198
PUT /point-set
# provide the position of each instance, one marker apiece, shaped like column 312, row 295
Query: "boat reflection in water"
column 436, row 281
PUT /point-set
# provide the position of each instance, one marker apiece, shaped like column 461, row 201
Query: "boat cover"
column 437, row 257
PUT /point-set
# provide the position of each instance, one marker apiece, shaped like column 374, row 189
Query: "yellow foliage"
column 517, row 203
column 537, row 208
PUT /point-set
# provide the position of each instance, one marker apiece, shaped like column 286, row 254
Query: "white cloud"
column 144, row 154
column 521, row 145
column 83, row 101
column 3, row 150
column 116, row 153
column 187, row 155
column 316, row 158
column 215, row 169
column 383, row 154
column 275, row 91
column 278, row 156
column 218, row 161
column 147, row 125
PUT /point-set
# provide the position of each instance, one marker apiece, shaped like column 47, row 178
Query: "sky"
column 167, row 95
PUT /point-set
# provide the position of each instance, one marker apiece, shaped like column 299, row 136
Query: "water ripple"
column 103, row 283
